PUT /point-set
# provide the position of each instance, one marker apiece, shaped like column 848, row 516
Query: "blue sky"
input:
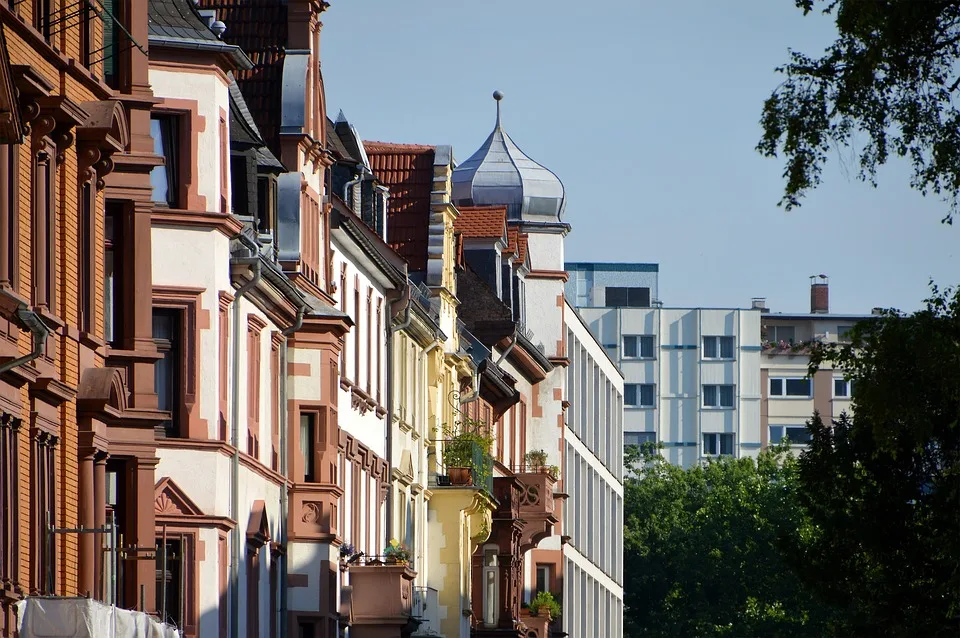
column 648, row 111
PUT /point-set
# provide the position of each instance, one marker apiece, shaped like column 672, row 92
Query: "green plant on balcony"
column 535, row 460
column 466, row 452
column 545, row 603
column 396, row 553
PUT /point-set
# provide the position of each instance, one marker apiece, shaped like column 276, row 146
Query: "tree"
column 888, row 84
column 706, row 549
column 883, row 490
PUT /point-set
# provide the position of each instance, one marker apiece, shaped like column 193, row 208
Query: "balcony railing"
column 466, row 464
column 425, row 607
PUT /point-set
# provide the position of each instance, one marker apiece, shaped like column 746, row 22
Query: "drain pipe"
column 39, row 330
column 253, row 261
column 348, row 186
column 506, row 352
column 391, row 329
column 282, row 556
column 476, row 385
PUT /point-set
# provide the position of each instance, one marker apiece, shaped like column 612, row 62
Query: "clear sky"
column 648, row 112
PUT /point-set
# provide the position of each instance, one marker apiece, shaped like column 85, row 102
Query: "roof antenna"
column 498, row 95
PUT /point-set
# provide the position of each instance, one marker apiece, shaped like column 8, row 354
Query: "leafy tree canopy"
column 887, row 85
column 705, row 549
column 883, row 490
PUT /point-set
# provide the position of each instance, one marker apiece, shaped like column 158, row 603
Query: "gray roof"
column 178, row 24
column 499, row 173
column 239, row 108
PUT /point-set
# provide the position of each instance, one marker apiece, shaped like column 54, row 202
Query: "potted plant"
column 545, row 603
column 347, row 551
column 396, row 553
column 553, row 471
column 460, row 451
column 536, row 460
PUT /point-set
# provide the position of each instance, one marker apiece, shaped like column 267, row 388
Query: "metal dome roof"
column 499, row 173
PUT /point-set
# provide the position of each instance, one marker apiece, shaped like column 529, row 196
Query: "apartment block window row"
column 717, row 444
column 787, row 334
column 592, row 495
column 791, row 387
column 639, row 395
column 597, row 416
column 627, row 297
column 718, row 348
column 718, row 396
column 639, row 438
column 796, row 434
column 638, row 347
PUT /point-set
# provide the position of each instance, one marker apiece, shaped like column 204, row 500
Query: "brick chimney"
column 819, row 294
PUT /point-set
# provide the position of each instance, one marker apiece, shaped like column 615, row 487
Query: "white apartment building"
column 691, row 375
column 593, row 476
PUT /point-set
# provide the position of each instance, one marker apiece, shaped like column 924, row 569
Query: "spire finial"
column 498, row 95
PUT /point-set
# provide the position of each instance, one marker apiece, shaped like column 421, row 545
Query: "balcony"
column 538, row 507
column 466, row 464
column 383, row 598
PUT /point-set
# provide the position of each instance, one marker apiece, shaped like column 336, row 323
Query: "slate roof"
column 335, row 145
column 244, row 129
column 178, row 24
column 259, row 27
column 407, row 170
column 481, row 222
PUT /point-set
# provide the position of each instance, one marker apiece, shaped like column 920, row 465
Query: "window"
column 638, row 395
column 44, row 476
column 9, row 499
column 791, row 387
column 543, row 577
column 795, row 433
column 171, row 580
column 163, row 178
column 627, row 297
column 167, row 333
column 842, row 388
column 266, row 204
column 638, row 347
column 308, row 424
column 639, row 438
column 718, row 396
column 714, row 443
column 843, row 333
column 86, row 259
column 42, row 10
column 44, row 228
column 787, row 334
column 718, row 347
column 112, row 267
column 9, row 226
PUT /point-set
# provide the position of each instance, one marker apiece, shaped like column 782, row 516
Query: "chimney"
column 759, row 303
column 819, row 294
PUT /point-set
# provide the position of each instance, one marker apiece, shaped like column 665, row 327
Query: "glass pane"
column 630, row 394
column 306, row 445
column 646, row 346
column 776, row 387
column 798, row 387
column 710, row 347
column 158, row 175
column 726, row 396
column 615, row 296
column 840, row 388
column 638, row 297
column 726, row 347
column 776, row 433
column 709, row 443
column 710, row 395
column 646, row 394
column 630, row 346
column 726, row 444
column 798, row 434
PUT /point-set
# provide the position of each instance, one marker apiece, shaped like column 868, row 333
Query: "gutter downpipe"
column 407, row 319
column 349, row 186
column 235, row 432
column 284, row 504
column 39, row 332
column 509, row 349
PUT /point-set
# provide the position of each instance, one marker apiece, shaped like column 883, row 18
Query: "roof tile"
column 482, row 222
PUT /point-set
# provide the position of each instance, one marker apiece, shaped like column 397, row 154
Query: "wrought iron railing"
column 466, row 464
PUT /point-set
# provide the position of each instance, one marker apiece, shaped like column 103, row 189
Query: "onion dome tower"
column 499, row 174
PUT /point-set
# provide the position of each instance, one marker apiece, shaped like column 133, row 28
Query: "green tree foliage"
column 706, row 549
column 887, row 85
column 883, row 490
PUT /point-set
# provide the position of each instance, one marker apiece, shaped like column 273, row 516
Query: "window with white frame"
column 797, row 434
column 638, row 395
column 801, row 387
column 638, row 347
column 639, row 438
column 715, row 443
column 842, row 388
column 718, row 347
column 843, row 333
column 718, row 396
column 776, row 334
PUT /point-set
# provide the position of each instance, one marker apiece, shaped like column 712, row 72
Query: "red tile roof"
column 407, row 170
column 522, row 243
column 481, row 221
column 512, row 234
column 259, row 27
